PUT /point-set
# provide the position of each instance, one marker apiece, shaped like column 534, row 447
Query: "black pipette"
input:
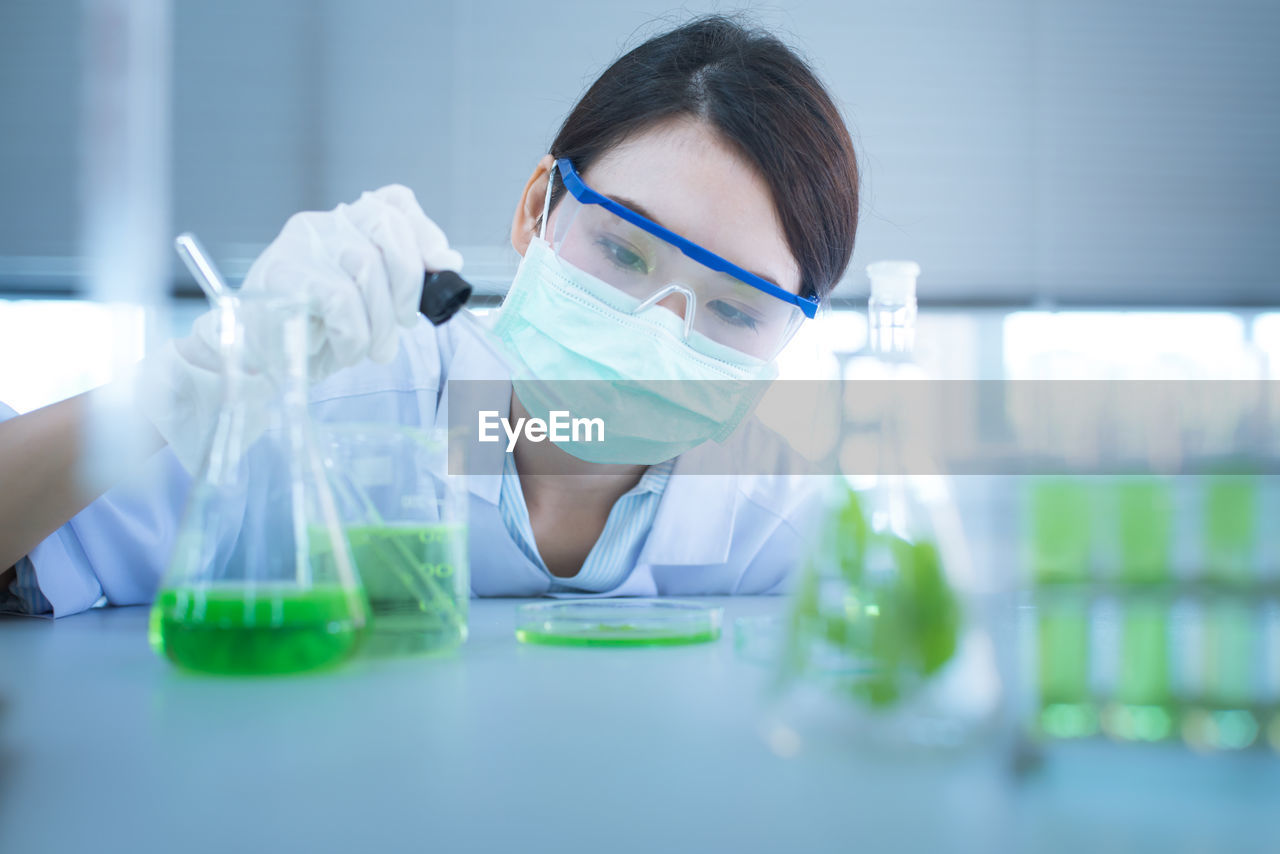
column 443, row 293
column 443, row 296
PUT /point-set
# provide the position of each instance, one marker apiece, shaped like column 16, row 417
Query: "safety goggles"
column 657, row 267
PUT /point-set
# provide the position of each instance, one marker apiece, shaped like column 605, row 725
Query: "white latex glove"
column 360, row 268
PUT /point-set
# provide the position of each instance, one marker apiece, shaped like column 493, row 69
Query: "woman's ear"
column 524, row 225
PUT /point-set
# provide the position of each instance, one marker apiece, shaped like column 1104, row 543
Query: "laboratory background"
column 1091, row 189
column 1048, row 164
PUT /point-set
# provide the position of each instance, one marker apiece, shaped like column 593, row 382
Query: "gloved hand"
column 361, row 266
column 360, row 269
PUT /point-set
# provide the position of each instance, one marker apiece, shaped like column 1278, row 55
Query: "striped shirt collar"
column 655, row 478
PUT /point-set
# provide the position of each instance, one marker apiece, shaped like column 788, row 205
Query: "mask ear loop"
column 546, row 203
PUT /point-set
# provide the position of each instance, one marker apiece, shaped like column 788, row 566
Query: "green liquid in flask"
column 258, row 630
column 417, row 582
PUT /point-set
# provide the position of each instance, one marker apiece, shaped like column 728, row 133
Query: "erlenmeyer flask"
column 885, row 645
column 261, row 579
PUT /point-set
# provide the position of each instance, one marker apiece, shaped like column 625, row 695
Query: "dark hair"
column 764, row 100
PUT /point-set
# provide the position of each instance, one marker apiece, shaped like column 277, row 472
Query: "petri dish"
column 617, row 622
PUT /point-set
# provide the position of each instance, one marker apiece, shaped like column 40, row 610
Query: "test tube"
column 1230, row 528
column 1060, row 533
column 1143, row 708
column 1066, row 706
column 1224, row 716
column 1143, row 515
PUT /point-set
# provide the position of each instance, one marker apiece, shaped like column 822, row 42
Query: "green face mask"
column 577, row 345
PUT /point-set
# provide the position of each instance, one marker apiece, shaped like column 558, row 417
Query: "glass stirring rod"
column 201, row 267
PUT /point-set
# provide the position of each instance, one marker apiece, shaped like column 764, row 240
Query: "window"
column 53, row 349
column 1126, row 345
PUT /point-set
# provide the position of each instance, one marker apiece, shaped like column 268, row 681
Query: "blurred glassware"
column 885, row 645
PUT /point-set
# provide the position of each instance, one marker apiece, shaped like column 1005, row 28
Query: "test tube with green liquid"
column 1067, row 709
column 1223, row 718
column 1061, row 533
column 1143, row 708
column 1143, row 516
column 1230, row 527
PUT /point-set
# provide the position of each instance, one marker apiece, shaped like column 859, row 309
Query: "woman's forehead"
column 687, row 180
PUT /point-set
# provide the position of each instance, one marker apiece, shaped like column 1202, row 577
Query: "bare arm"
column 40, row 457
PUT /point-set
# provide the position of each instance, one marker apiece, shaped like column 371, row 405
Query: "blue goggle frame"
column 579, row 190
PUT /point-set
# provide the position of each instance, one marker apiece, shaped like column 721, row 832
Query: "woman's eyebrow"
column 638, row 208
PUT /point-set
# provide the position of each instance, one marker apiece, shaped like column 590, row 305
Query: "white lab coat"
column 713, row 535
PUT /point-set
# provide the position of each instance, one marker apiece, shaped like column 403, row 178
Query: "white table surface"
column 506, row 747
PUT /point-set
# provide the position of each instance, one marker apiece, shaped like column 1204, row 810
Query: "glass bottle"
column 885, row 645
column 261, row 579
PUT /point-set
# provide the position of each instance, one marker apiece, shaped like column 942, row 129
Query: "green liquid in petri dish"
column 614, row 634
column 416, row 580
column 617, row 623
column 258, row 630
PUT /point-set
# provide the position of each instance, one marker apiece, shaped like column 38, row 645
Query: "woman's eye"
column 731, row 315
column 622, row 256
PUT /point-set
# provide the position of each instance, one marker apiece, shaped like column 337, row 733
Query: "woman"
column 696, row 205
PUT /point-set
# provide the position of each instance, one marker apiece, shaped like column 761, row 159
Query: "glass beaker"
column 261, row 579
column 405, row 519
